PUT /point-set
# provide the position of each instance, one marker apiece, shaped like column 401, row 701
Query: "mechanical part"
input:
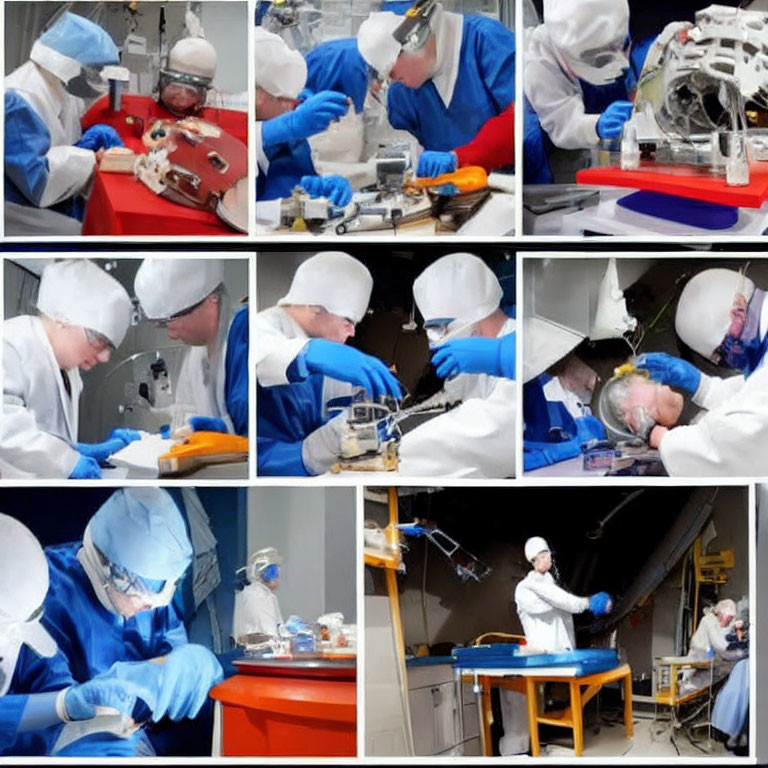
column 192, row 162
column 466, row 565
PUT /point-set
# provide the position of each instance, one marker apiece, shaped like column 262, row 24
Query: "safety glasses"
column 184, row 312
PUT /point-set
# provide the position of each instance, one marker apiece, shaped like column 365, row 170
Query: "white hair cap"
column 280, row 71
column 23, row 586
column 459, row 286
column 703, row 313
column 193, row 56
column 335, row 281
column 535, row 546
column 166, row 287
column 376, row 42
column 78, row 292
column 577, row 26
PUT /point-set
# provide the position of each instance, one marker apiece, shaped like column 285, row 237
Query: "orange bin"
column 288, row 715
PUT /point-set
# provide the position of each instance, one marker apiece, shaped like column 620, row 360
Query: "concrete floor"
column 650, row 740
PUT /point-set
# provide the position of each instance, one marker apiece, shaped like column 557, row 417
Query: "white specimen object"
column 612, row 319
column 630, row 149
column 737, row 162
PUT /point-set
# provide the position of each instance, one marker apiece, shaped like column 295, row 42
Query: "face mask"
column 643, row 422
column 742, row 347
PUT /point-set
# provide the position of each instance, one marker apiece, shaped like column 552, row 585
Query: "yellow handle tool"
column 202, row 448
column 468, row 179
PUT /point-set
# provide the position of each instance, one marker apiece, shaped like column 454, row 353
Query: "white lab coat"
column 708, row 639
column 545, row 611
column 69, row 168
column 475, row 439
column 556, row 95
column 279, row 339
column 39, row 427
column 731, row 438
column 257, row 610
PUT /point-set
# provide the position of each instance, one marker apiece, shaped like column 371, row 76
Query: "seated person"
column 183, row 89
column 634, row 403
column 710, row 641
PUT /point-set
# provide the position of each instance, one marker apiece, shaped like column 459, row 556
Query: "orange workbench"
column 279, row 716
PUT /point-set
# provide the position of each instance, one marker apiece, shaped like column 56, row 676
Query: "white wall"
column 313, row 529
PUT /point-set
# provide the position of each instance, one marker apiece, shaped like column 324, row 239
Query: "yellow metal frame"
column 709, row 569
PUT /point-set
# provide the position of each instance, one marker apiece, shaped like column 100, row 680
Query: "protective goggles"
column 606, row 54
column 154, row 592
column 440, row 330
column 181, row 93
column 98, row 340
column 162, row 322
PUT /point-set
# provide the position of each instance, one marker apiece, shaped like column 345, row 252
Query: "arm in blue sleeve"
column 26, row 143
column 277, row 458
column 495, row 50
column 236, row 364
column 39, row 712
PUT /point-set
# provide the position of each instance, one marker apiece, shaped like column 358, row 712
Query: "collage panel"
column 615, row 625
column 645, row 119
column 385, row 118
column 388, row 361
column 126, row 119
column 131, row 366
column 152, row 622
column 644, row 364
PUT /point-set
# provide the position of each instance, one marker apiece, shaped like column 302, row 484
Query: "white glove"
column 322, row 448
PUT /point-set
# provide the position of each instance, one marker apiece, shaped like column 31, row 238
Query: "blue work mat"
column 507, row 656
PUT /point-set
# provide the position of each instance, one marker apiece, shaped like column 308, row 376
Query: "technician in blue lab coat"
column 285, row 120
column 49, row 161
column 37, row 692
column 303, row 363
column 110, row 601
column 188, row 297
column 447, row 81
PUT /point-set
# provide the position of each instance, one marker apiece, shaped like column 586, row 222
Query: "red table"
column 684, row 181
column 120, row 204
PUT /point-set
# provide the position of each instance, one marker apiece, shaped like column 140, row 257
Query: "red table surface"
column 684, row 181
column 120, row 204
column 278, row 716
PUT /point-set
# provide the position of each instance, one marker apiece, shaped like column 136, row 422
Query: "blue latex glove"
column 82, row 699
column 188, row 673
column 310, row 117
column 611, row 122
column 295, row 624
column 338, row 361
column 336, row 188
column 670, row 370
column 433, row 163
column 98, row 137
column 496, row 357
column 86, row 469
column 207, row 424
column 600, row 603
column 126, row 435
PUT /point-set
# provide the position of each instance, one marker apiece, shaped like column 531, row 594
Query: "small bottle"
column 630, row 150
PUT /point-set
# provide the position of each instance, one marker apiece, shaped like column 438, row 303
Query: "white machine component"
column 692, row 96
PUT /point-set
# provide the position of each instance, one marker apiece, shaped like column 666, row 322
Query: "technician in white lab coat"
column 723, row 316
column 303, row 361
column 708, row 641
column 84, row 316
column 189, row 298
column 576, row 71
column 257, row 609
column 546, row 610
column 458, row 297
column 49, row 161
